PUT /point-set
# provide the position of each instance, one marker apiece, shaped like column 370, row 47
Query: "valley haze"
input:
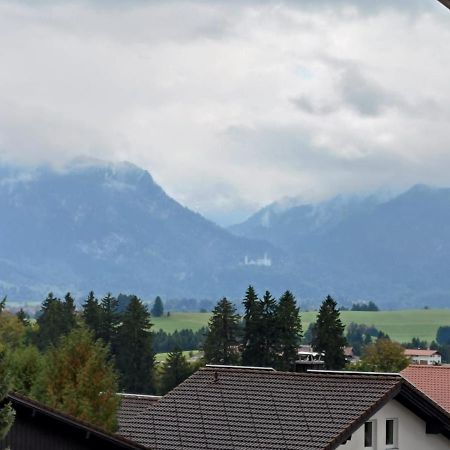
column 110, row 227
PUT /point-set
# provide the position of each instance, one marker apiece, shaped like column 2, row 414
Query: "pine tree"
column 289, row 328
column 158, row 308
column 221, row 343
column 50, row 322
column 268, row 330
column 135, row 356
column 79, row 379
column 329, row 335
column 91, row 314
column 252, row 340
column 109, row 320
column 174, row 370
column 23, row 317
column 68, row 309
column 6, row 411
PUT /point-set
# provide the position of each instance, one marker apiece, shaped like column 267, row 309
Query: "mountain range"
column 110, row 227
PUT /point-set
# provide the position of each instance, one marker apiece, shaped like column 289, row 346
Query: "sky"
column 232, row 104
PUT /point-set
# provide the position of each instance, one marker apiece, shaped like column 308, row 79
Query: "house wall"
column 411, row 432
column 430, row 360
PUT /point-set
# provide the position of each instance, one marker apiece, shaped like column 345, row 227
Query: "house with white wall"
column 241, row 408
column 424, row 356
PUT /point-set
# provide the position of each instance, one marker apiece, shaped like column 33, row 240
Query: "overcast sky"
column 231, row 105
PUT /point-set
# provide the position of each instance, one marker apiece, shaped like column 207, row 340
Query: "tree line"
column 270, row 332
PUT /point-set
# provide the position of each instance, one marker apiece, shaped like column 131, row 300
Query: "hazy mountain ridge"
column 395, row 251
column 110, row 227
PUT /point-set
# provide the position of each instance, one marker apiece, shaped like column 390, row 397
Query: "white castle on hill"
column 265, row 261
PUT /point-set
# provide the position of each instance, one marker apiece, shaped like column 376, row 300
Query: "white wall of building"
column 411, row 432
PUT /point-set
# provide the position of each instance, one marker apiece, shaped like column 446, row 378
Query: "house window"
column 392, row 433
column 369, row 434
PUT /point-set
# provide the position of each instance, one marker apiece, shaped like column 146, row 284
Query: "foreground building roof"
column 446, row 3
column 434, row 381
column 241, row 408
column 132, row 405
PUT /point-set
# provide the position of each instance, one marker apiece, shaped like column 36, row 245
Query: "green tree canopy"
column 329, row 335
column 6, row 411
column 79, row 379
column 383, row 356
column 221, row 343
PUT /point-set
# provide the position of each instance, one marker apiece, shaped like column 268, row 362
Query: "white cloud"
column 231, row 105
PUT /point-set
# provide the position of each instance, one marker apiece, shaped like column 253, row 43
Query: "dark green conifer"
column 92, row 313
column 289, row 329
column 135, row 356
column 252, row 339
column 175, row 369
column 221, row 343
column 269, row 330
column 158, row 308
column 109, row 320
column 329, row 335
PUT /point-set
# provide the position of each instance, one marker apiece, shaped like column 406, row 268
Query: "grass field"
column 160, row 357
column 401, row 326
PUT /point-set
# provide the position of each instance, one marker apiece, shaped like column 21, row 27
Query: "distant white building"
column 265, row 261
column 426, row 357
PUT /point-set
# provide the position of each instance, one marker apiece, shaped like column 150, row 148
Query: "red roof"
column 434, row 381
column 416, row 352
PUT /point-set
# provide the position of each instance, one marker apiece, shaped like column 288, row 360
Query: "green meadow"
column 401, row 325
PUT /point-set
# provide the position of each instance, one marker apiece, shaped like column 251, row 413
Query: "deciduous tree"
column 79, row 379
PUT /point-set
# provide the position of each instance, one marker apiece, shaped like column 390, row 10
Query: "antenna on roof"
column 216, row 376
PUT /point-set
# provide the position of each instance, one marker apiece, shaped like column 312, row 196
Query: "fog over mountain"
column 110, row 227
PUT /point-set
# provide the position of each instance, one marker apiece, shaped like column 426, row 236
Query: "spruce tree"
column 51, row 323
column 329, row 335
column 175, row 369
column 269, row 330
column 109, row 320
column 23, row 317
column 221, row 343
column 252, row 339
column 91, row 314
column 6, row 411
column 289, row 331
column 158, row 308
column 68, row 309
column 135, row 356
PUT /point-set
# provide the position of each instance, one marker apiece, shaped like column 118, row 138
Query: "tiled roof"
column 416, row 352
column 133, row 404
column 236, row 409
column 434, row 381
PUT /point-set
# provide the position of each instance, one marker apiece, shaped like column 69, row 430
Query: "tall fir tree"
column 52, row 323
column 289, row 330
column 109, row 320
column 91, row 314
column 69, row 313
column 221, row 342
column 329, row 335
column 6, row 411
column 158, row 307
column 252, row 339
column 175, row 369
column 135, row 356
column 269, row 330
